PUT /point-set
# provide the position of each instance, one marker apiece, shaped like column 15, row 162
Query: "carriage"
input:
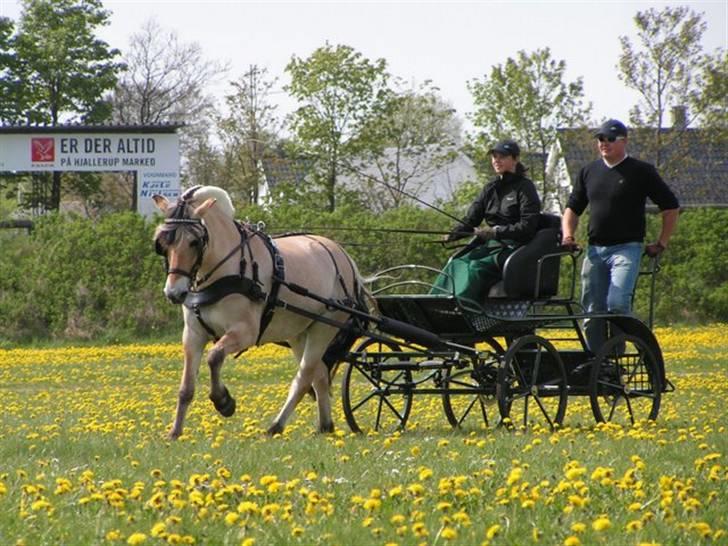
column 514, row 359
column 503, row 360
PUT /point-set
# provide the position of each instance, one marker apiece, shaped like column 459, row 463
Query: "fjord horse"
column 229, row 277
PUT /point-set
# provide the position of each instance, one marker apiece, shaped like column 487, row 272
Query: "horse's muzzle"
column 177, row 289
column 176, row 296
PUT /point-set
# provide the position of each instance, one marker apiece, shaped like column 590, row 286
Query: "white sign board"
column 154, row 156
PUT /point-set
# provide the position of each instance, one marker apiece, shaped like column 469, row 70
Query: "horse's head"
column 181, row 240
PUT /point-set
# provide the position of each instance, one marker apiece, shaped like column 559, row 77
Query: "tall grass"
column 83, row 460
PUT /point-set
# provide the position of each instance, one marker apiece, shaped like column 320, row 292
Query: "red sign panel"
column 42, row 150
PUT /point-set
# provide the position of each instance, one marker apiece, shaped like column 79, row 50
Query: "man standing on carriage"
column 616, row 188
column 510, row 207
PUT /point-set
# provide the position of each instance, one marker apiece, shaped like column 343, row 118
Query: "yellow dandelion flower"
column 514, row 476
column 372, row 504
column 395, row 491
column 136, row 538
column 492, row 531
column 634, row 525
column 572, row 541
column 419, row 530
column 425, row 473
column 397, row 519
column 448, row 533
column 114, row 535
column 250, row 541
column 602, row 523
column 158, row 529
column 416, row 489
column 578, row 527
column 231, row 518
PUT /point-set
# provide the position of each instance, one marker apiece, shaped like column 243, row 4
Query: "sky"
column 447, row 42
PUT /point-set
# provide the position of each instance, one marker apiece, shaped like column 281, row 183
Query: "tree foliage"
column 412, row 138
column 249, row 132
column 527, row 99
column 662, row 68
column 58, row 70
column 65, row 68
column 670, row 71
column 339, row 91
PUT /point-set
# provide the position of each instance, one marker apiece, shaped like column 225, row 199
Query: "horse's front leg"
column 193, row 347
column 232, row 342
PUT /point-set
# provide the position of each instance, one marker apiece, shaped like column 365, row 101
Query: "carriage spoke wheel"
column 625, row 386
column 470, row 408
column 376, row 393
column 531, row 388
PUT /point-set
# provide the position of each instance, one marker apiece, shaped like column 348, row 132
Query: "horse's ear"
column 204, row 207
column 161, row 201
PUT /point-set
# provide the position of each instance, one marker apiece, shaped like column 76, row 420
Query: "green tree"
column 417, row 134
column 9, row 87
column 338, row 90
column 527, row 99
column 662, row 68
column 165, row 80
column 249, row 132
column 65, row 69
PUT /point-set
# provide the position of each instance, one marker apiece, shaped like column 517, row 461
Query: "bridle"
column 179, row 218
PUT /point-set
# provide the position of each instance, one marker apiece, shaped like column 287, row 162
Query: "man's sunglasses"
column 602, row 138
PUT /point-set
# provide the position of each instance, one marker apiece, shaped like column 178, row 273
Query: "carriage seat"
column 521, row 269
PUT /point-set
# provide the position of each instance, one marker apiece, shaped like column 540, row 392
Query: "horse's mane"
column 224, row 204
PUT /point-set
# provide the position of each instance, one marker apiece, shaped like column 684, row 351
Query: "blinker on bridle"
column 177, row 219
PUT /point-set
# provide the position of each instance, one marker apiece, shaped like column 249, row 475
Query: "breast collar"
column 249, row 287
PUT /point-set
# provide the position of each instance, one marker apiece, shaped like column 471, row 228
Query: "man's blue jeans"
column 608, row 278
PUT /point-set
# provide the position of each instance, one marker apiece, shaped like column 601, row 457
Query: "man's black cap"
column 612, row 127
column 506, row 147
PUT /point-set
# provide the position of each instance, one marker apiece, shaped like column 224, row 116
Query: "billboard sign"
column 154, row 157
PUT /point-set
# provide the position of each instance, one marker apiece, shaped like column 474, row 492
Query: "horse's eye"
column 195, row 243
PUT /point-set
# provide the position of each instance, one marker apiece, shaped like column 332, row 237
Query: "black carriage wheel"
column 470, row 406
column 625, row 386
column 531, row 387
column 375, row 398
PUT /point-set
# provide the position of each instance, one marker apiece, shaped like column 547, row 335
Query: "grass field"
column 83, row 460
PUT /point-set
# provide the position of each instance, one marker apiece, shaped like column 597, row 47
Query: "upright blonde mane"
column 224, row 204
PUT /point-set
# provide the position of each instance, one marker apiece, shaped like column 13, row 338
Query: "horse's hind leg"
column 322, row 387
column 312, row 372
column 299, row 386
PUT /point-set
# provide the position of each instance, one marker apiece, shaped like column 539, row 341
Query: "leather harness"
column 250, row 287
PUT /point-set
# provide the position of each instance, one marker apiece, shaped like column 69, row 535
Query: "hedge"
column 81, row 279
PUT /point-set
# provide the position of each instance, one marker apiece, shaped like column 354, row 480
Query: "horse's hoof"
column 173, row 435
column 225, row 406
column 275, row 428
column 327, row 428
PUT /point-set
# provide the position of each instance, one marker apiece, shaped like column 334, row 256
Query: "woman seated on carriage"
column 510, row 207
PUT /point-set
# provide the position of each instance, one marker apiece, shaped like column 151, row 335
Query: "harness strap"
column 336, row 267
column 207, row 327
column 279, row 277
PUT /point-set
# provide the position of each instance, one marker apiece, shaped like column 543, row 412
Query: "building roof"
column 692, row 161
column 15, row 129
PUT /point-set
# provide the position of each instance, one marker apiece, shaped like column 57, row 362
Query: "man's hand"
column 568, row 243
column 655, row 249
column 485, row 233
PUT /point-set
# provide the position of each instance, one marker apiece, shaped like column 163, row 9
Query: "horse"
column 241, row 288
